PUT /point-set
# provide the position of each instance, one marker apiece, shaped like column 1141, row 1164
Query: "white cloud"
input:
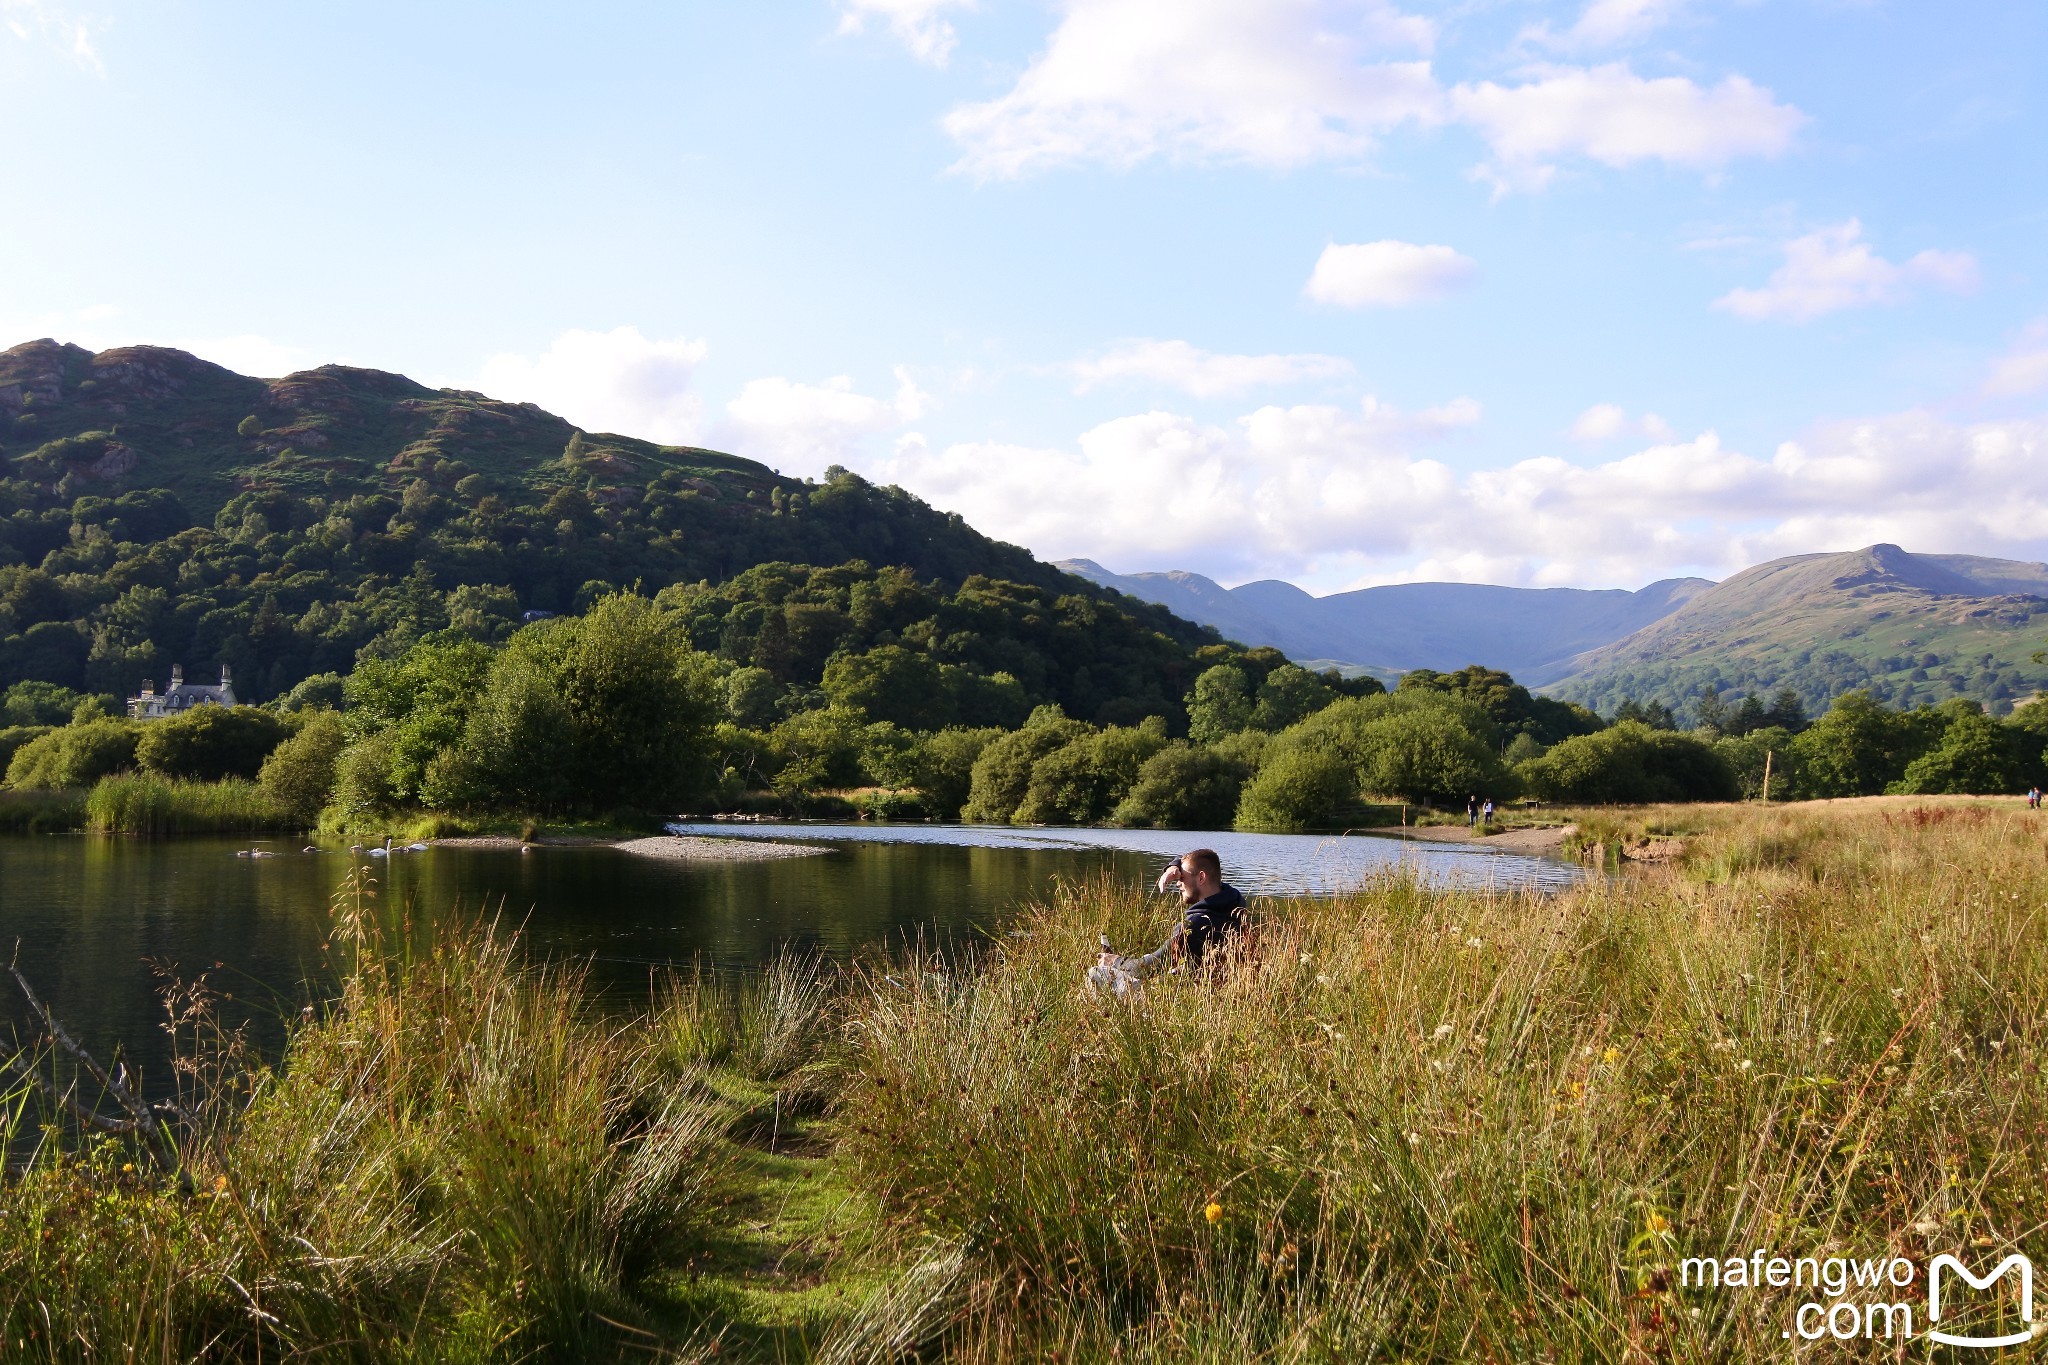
column 617, row 381
column 1607, row 23
column 1604, row 421
column 56, row 24
column 801, row 428
column 1386, row 274
column 2023, row 369
column 1277, row 83
column 1331, row 496
column 1611, row 115
column 1833, row 269
column 918, row 24
column 1203, row 374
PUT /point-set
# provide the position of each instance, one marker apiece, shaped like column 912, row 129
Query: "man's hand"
column 1171, row 877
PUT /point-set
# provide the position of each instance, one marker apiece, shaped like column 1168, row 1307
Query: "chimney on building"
column 223, row 675
column 177, row 676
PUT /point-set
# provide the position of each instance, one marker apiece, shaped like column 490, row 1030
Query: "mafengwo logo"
column 1857, row 1299
column 2013, row 1262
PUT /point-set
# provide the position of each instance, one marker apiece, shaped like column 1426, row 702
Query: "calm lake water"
column 92, row 913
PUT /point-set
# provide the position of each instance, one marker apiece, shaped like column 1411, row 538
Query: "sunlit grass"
column 1406, row 1123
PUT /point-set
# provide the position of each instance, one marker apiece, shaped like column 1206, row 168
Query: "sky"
column 1343, row 292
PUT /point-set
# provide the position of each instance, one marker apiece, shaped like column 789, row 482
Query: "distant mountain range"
column 1533, row 633
column 1910, row 628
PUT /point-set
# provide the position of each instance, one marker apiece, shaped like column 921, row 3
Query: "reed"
column 157, row 807
column 41, row 812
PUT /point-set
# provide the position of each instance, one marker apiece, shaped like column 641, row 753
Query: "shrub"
column 1975, row 755
column 1631, row 763
column 74, row 756
column 1002, row 774
column 13, row 737
column 1297, row 789
column 208, row 743
column 945, row 766
column 1183, row 787
column 299, row 776
column 1081, row 782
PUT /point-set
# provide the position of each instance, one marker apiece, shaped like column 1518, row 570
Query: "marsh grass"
column 1405, row 1124
column 41, row 812
column 155, row 807
column 456, row 1159
column 1422, row 1125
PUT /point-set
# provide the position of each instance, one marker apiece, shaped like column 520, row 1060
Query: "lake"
column 92, row 913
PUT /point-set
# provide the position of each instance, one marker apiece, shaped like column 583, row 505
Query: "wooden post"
column 1767, row 777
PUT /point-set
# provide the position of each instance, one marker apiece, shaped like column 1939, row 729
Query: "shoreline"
column 687, row 848
column 1547, row 839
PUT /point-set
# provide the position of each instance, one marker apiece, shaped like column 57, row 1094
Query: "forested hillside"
column 158, row 509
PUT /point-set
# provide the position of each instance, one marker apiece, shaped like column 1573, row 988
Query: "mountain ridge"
column 1533, row 633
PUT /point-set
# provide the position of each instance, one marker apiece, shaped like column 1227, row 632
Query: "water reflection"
column 92, row 914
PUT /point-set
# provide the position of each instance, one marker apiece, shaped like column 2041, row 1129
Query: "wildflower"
column 1659, row 1223
column 1307, row 958
column 1578, row 1090
column 1744, row 1065
column 1414, row 1138
column 1455, row 930
column 1475, row 943
column 220, row 1184
column 1214, row 1213
column 127, row 1168
column 1442, row 1031
column 1322, row 980
column 1611, row 1056
column 1898, row 992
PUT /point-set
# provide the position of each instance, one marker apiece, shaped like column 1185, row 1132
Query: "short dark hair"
column 1202, row 860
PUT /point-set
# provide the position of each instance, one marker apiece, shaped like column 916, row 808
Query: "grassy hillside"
column 1912, row 629
column 158, row 509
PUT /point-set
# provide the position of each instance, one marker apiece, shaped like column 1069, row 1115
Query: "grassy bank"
column 1407, row 1124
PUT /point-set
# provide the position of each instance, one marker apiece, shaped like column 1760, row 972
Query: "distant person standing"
column 1486, row 811
column 2033, row 798
column 1471, row 811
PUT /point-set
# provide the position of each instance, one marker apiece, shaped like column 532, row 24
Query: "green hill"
column 159, row 509
column 1912, row 629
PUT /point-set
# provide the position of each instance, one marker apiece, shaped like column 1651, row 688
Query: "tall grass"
column 154, row 806
column 41, row 812
column 455, row 1160
column 1406, row 1124
column 1420, row 1125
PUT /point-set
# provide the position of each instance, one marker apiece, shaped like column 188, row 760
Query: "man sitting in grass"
column 1212, row 912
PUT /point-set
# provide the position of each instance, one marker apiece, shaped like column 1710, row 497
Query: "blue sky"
column 1340, row 291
